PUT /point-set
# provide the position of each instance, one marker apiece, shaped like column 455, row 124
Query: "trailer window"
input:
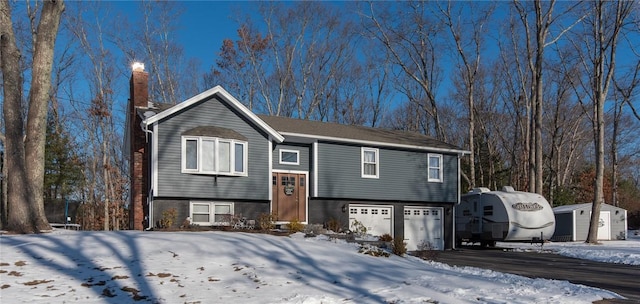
column 488, row 210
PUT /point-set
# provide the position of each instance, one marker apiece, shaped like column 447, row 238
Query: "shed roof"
column 569, row 208
column 292, row 127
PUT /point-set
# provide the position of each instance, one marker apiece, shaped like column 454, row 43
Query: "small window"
column 435, row 168
column 222, row 214
column 370, row 160
column 200, row 213
column 425, row 212
column 289, row 157
column 385, row 211
column 407, row 212
column 274, row 180
column 302, row 181
column 416, row 212
column 374, row 211
column 285, row 180
column 434, row 212
column 353, row 211
column 364, row 211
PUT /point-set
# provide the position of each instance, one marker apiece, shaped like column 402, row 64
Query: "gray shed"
column 572, row 223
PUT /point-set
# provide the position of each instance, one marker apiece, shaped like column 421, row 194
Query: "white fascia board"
column 227, row 97
column 270, row 144
column 374, row 143
column 154, row 161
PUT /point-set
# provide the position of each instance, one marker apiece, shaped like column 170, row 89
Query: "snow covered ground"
column 223, row 267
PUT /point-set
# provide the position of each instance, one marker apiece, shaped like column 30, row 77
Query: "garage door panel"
column 423, row 225
column 377, row 219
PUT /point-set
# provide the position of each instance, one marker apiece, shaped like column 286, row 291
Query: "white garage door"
column 377, row 219
column 423, row 228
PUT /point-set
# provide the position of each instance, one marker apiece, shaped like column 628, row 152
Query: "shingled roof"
column 356, row 134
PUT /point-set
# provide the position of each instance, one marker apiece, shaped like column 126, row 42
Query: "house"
column 212, row 159
column 572, row 222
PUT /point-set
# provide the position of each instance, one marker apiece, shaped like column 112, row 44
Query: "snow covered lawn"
column 224, row 267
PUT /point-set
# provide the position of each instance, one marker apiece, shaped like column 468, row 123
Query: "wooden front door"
column 289, row 196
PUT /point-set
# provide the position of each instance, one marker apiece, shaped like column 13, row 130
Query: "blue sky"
column 202, row 27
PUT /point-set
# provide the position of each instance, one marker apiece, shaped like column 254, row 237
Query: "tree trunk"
column 25, row 193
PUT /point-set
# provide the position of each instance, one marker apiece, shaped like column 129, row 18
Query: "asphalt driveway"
column 621, row 279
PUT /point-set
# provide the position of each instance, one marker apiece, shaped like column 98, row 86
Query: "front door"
column 289, row 196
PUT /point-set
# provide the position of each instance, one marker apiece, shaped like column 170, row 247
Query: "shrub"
column 399, row 247
column 334, row 225
column 168, row 217
column 295, row 226
column 385, row 238
column 426, row 251
column 314, row 229
column 373, row 251
column 266, row 221
column 358, row 228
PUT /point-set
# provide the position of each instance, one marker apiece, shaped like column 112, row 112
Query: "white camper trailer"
column 507, row 215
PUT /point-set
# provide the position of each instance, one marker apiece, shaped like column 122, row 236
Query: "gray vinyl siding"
column 173, row 183
column 402, row 175
column 582, row 224
column 303, row 157
column 618, row 224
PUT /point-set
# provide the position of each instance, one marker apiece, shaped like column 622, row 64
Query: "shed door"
column 377, row 219
column 289, row 196
column 604, row 226
column 423, row 228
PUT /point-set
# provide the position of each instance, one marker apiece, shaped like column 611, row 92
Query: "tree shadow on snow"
column 73, row 260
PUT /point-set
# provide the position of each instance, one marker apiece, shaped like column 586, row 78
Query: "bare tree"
column 296, row 67
column 104, row 173
column 597, row 47
column 25, row 146
column 411, row 37
column 626, row 86
column 468, row 37
column 537, row 39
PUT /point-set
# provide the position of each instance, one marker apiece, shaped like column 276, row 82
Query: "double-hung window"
column 212, row 155
column 370, row 163
column 435, row 168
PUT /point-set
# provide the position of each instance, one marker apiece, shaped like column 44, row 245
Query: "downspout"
column 453, row 231
column 145, row 128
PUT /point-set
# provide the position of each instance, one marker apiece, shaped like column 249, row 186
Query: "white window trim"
column 435, row 180
column 377, row 162
column 297, row 162
column 217, row 141
column 212, row 213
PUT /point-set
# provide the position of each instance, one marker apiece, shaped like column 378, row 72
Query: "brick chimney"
column 138, row 160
